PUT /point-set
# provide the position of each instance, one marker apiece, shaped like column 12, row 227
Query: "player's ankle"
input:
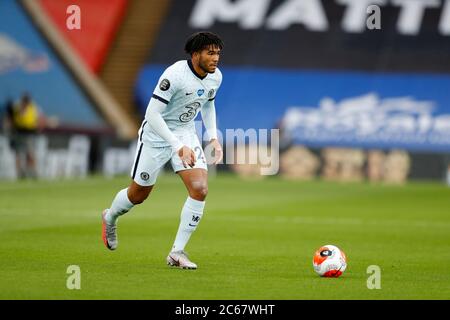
column 110, row 219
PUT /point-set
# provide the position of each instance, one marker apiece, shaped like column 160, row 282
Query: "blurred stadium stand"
column 100, row 26
column 313, row 68
column 352, row 103
column 132, row 44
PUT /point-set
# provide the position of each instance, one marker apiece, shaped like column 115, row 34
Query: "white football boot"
column 180, row 259
column 109, row 233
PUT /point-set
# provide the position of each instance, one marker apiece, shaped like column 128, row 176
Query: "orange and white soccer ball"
column 329, row 261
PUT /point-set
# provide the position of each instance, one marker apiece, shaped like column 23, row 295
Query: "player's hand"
column 218, row 152
column 187, row 156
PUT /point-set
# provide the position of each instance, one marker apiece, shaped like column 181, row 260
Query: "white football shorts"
column 149, row 160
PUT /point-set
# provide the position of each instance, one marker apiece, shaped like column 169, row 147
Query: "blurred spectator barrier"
column 7, row 160
column 52, row 163
column 346, row 164
column 117, row 161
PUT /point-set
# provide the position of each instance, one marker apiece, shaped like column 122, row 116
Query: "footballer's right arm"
column 157, row 123
column 166, row 88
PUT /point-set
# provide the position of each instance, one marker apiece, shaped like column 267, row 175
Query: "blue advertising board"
column 318, row 108
column 316, row 70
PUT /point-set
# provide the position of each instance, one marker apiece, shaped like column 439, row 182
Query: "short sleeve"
column 167, row 86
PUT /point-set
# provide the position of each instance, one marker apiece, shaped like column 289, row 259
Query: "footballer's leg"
column 196, row 182
column 123, row 202
column 147, row 164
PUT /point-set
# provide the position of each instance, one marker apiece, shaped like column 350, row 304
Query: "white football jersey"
column 185, row 92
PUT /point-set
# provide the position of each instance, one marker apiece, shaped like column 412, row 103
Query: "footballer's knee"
column 137, row 194
column 137, row 198
column 199, row 191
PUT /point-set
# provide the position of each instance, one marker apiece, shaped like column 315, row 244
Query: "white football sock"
column 190, row 217
column 120, row 205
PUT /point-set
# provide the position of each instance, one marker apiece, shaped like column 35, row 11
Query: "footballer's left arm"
column 209, row 119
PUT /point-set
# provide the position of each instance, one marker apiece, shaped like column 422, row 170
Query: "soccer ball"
column 329, row 261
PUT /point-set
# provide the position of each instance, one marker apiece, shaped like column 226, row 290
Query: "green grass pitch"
column 256, row 240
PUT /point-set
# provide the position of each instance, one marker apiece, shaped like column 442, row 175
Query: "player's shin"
column 190, row 218
column 120, row 205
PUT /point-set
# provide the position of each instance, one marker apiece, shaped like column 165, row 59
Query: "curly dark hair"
column 201, row 40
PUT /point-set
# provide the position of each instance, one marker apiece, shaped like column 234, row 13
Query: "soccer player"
column 168, row 133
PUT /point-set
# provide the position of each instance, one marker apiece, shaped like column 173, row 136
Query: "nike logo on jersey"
column 189, row 93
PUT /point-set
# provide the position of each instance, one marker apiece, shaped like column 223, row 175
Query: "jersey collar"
column 195, row 72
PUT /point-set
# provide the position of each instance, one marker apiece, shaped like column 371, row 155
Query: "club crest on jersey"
column 200, row 92
column 211, row 93
column 164, row 85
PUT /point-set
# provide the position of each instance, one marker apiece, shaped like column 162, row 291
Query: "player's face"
column 209, row 59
